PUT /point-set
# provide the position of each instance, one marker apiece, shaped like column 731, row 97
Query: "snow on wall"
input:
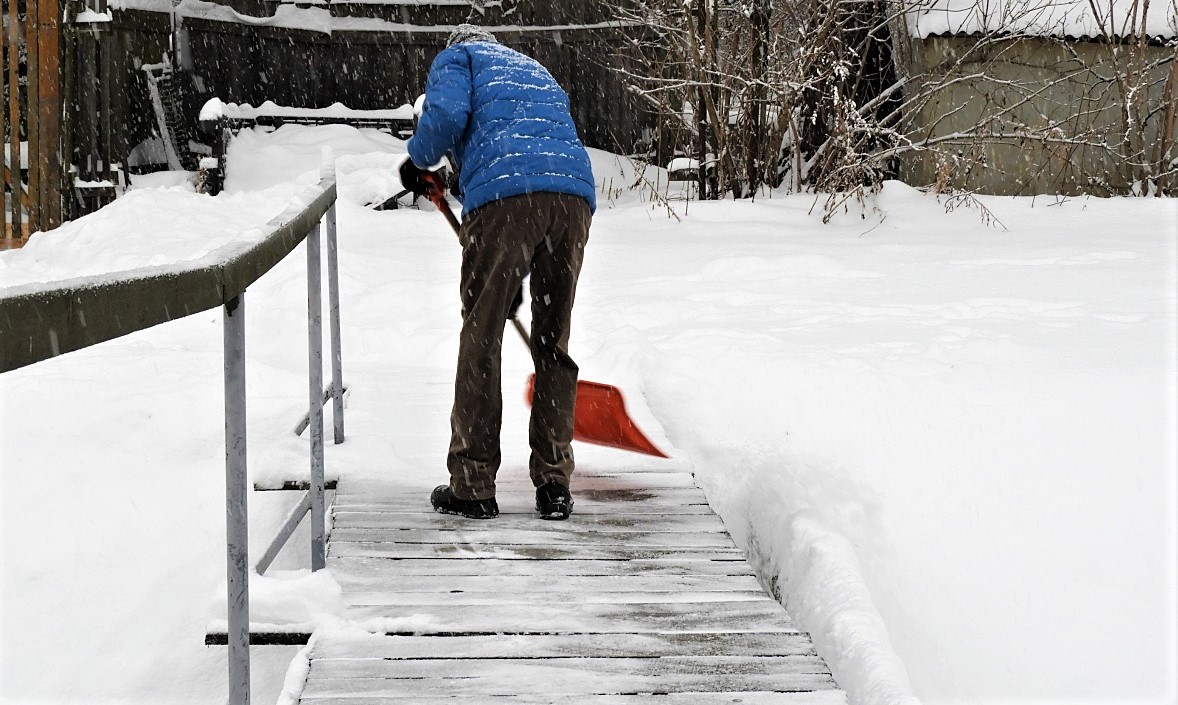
column 214, row 108
column 311, row 18
column 320, row 20
column 1054, row 18
column 143, row 5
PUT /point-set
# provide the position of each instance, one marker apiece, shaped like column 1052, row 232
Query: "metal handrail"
column 41, row 321
column 38, row 322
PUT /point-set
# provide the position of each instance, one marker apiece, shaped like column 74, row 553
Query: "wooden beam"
column 262, row 638
column 24, row 197
column 4, row 230
column 14, row 42
column 32, row 113
column 49, row 110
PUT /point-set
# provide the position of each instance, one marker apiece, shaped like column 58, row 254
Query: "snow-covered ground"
column 950, row 446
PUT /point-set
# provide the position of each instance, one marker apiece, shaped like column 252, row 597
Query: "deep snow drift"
column 949, row 446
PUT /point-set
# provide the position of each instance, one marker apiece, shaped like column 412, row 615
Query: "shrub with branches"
column 830, row 95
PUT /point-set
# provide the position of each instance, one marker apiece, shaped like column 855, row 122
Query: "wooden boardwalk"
column 641, row 593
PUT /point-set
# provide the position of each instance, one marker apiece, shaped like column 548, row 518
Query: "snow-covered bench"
column 222, row 120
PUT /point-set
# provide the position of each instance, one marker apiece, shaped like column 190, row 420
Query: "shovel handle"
column 519, row 328
column 437, row 196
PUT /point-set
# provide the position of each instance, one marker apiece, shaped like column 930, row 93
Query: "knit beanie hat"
column 470, row 33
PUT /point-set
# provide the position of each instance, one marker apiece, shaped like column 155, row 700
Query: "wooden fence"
column 373, row 70
column 32, row 118
column 79, row 114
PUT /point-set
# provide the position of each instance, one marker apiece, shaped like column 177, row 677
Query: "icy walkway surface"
column 641, row 591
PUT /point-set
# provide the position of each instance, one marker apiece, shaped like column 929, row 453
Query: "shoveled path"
column 641, row 593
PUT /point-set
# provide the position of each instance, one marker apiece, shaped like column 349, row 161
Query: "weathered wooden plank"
column 373, row 580
column 816, row 697
column 531, row 537
column 382, row 646
column 32, row 112
column 516, row 503
column 394, row 568
column 14, row 91
column 618, row 494
column 524, row 506
column 564, row 677
column 652, row 523
column 50, row 108
column 641, row 595
column 593, row 669
column 608, row 481
column 260, row 636
column 578, row 618
column 571, row 551
column 487, row 599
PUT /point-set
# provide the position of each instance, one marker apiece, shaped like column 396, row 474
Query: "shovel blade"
column 600, row 418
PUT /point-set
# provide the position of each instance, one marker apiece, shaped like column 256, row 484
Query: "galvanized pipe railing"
column 38, row 322
column 237, row 535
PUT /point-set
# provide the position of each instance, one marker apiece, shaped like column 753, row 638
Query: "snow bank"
column 288, row 597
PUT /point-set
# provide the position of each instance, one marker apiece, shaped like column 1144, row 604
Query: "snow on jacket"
column 506, row 122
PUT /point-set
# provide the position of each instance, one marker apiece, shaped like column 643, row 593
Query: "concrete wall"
column 1044, row 82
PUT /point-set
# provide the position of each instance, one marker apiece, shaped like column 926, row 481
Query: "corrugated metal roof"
column 1052, row 18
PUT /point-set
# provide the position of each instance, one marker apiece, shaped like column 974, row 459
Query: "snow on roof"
column 145, row 5
column 1053, row 18
column 312, row 18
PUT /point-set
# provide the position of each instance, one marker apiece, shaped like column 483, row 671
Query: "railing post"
column 337, row 374
column 236, row 503
column 315, row 385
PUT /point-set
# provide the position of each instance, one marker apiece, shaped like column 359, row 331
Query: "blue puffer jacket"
column 506, row 121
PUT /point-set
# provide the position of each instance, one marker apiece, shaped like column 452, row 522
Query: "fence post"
column 236, row 503
column 337, row 374
column 315, row 385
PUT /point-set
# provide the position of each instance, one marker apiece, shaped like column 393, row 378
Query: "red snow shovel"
column 600, row 414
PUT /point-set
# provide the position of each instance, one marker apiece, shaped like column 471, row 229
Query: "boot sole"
column 453, row 512
column 557, row 513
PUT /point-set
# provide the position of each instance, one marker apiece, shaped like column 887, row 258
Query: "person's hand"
column 414, row 178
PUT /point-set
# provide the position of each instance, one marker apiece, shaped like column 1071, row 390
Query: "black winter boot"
column 554, row 501
column 445, row 502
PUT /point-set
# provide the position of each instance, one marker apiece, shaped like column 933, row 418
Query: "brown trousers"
column 543, row 234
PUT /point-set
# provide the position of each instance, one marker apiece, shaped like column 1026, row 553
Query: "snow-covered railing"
column 40, row 321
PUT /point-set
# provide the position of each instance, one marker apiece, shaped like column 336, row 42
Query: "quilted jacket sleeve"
column 447, row 108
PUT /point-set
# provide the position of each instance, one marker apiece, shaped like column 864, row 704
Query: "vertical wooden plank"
column 50, row 110
column 88, row 88
column 4, row 232
column 32, row 102
column 105, row 42
column 14, row 42
column 68, row 38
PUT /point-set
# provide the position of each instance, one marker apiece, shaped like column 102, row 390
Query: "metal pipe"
column 305, row 420
column 236, row 504
column 337, row 364
column 315, row 406
column 293, row 519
